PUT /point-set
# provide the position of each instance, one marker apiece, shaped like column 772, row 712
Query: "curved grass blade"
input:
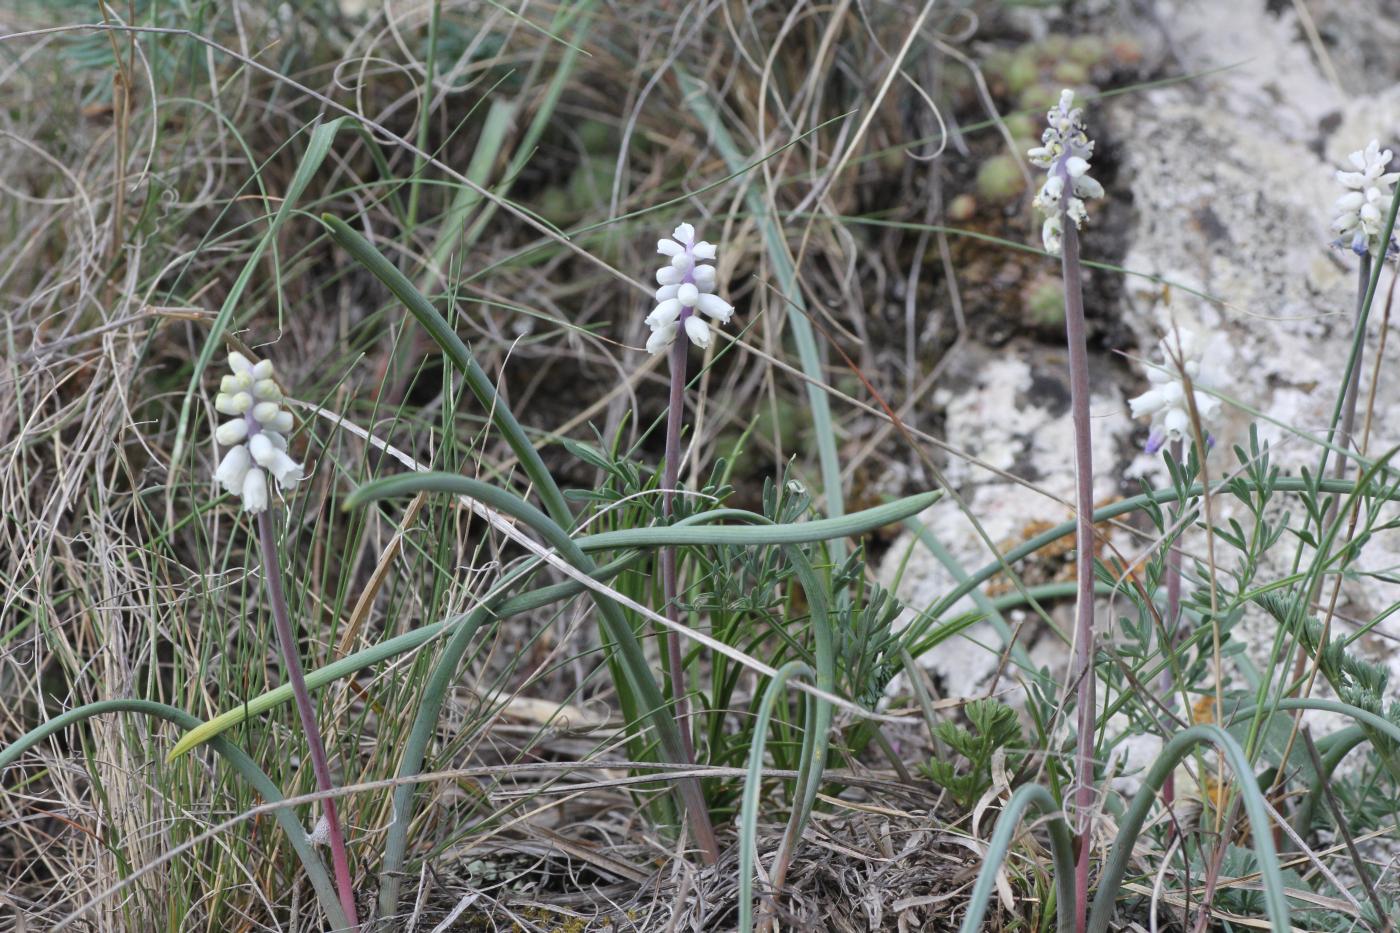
column 235, row 756
column 753, row 783
column 822, row 529
column 1061, row 851
column 631, row 657
column 452, row 346
column 1363, row 717
column 368, row 657
column 816, row 739
column 1181, row 745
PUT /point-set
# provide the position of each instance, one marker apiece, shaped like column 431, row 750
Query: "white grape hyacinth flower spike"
column 1064, row 152
column 1362, row 211
column 686, row 296
column 256, row 435
column 1165, row 402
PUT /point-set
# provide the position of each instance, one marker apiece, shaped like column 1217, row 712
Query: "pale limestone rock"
column 1012, row 412
column 1231, row 181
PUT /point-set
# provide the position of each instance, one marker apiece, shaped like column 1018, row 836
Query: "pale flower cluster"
column 1165, row 402
column 257, row 434
column 1362, row 211
column 687, row 287
column 1064, row 152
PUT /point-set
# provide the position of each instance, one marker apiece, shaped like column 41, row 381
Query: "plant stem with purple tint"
column 670, row 477
column 272, row 569
column 1354, row 383
column 1170, row 625
column 1077, row 345
column 687, row 287
column 675, row 412
column 1064, row 153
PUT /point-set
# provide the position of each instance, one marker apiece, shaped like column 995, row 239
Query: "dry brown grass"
column 140, row 170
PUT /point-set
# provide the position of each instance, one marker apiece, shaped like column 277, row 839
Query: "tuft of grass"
column 186, row 177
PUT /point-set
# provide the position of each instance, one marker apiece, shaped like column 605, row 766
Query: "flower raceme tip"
column 1064, row 152
column 1165, row 402
column 1361, row 212
column 256, row 437
column 687, row 290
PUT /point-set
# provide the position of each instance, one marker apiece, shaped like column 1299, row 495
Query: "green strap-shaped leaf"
column 753, row 783
column 316, row 150
column 352, row 663
column 631, row 658
column 445, row 337
column 1061, row 852
column 1130, row 826
column 822, row 529
column 235, row 756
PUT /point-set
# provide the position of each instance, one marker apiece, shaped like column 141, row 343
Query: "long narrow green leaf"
column 697, row 98
column 822, row 529
column 753, row 784
column 805, row 532
column 442, row 333
column 632, row 658
column 817, row 738
column 1130, row 826
column 1363, row 717
column 235, row 756
column 316, row 150
column 368, row 657
column 1061, row 851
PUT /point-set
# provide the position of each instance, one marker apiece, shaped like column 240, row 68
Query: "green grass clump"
column 440, row 218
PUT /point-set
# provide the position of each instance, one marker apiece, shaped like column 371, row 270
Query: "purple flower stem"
column 675, row 412
column 1077, row 345
column 272, row 569
column 670, row 477
column 1341, row 437
column 1344, row 430
column 1170, row 625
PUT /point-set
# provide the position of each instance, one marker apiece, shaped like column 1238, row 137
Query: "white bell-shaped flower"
column 1165, row 402
column 257, row 434
column 686, row 292
column 1064, row 153
column 1362, row 211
